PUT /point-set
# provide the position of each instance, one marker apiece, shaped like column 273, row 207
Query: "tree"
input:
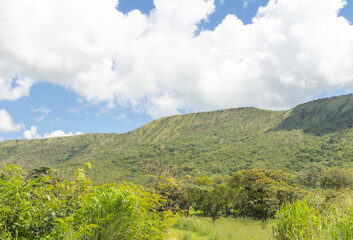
column 260, row 193
column 336, row 178
column 212, row 202
column 311, row 174
column 175, row 198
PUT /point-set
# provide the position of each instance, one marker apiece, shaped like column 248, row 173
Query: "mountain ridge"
column 206, row 143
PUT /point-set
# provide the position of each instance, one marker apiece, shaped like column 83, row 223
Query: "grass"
column 200, row 228
column 305, row 219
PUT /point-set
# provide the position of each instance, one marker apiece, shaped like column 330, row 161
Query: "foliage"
column 189, row 223
column 212, row 202
column 311, row 174
column 336, row 179
column 201, row 144
column 321, row 116
column 248, row 193
column 28, row 208
column 203, row 149
column 261, row 193
column 46, row 208
column 174, row 197
column 298, row 220
column 303, row 219
column 117, row 212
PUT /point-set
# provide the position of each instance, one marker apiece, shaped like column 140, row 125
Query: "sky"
column 82, row 66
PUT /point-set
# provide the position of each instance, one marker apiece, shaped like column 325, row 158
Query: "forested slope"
column 198, row 144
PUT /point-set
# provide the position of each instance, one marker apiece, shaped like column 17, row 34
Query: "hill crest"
column 198, row 144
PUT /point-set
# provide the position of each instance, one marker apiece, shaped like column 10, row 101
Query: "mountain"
column 321, row 116
column 198, row 144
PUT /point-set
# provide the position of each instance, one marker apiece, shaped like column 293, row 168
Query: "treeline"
column 260, row 194
column 247, row 193
column 316, row 175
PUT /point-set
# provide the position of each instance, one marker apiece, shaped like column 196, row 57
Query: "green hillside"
column 198, row 144
column 321, row 116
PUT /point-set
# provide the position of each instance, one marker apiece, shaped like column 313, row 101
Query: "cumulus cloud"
column 59, row 133
column 32, row 134
column 13, row 88
column 7, row 124
column 292, row 51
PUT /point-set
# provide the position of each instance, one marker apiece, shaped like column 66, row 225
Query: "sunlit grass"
column 225, row 228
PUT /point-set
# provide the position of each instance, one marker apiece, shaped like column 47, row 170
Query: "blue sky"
column 62, row 103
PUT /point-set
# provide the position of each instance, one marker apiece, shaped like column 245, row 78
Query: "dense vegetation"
column 310, row 205
column 292, row 166
column 195, row 145
column 40, row 206
column 248, row 193
column 305, row 219
column 322, row 116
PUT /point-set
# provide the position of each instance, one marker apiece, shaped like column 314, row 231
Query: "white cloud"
column 245, row 4
column 59, row 133
column 121, row 116
column 7, row 124
column 291, row 52
column 57, row 119
column 32, row 134
column 41, row 110
column 12, row 88
column 41, row 118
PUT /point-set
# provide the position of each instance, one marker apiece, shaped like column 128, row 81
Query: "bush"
column 189, row 223
column 336, row 178
column 297, row 220
column 311, row 174
column 119, row 212
column 45, row 208
column 305, row 220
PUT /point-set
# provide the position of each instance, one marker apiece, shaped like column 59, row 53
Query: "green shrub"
column 117, row 212
column 190, row 223
column 305, row 220
column 336, row 178
column 45, row 208
column 28, row 208
column 311, row 174
column 297, row 220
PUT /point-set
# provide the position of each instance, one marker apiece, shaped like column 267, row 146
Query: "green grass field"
column 200, row 228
